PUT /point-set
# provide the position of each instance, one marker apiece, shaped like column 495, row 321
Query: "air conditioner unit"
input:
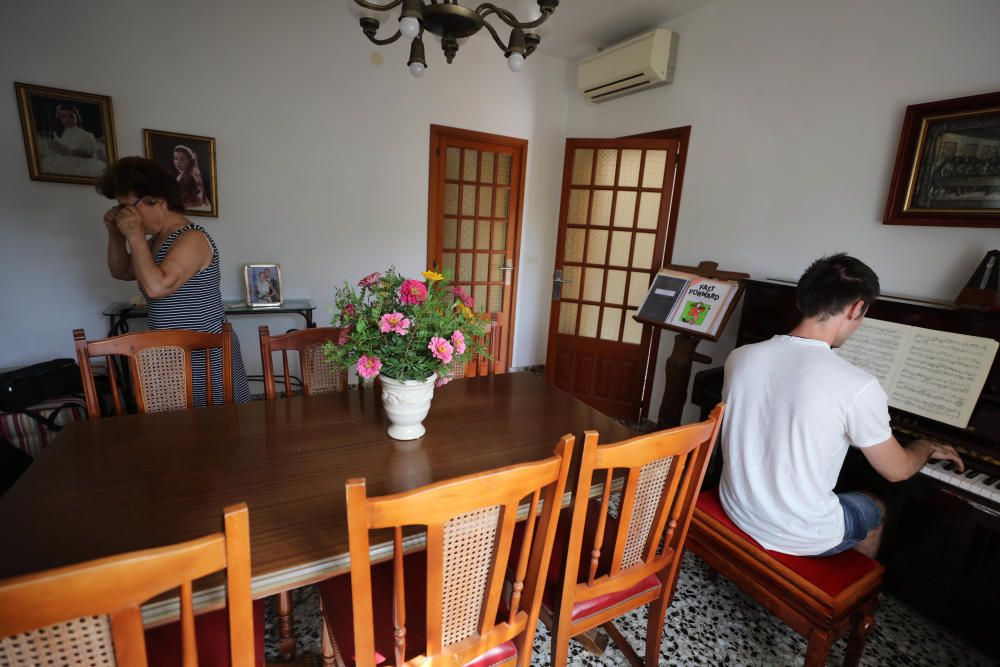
column 644, row 61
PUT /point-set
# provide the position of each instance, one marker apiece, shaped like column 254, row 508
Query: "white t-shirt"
column 793, row 407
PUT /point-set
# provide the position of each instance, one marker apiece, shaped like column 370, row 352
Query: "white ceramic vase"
column 406, row 403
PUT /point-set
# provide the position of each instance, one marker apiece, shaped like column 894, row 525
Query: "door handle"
column 557, row 282
column 508, row 268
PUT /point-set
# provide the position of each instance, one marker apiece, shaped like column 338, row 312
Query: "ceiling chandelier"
column 450, row 22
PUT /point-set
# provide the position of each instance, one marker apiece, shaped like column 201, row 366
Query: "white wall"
column 322, row 154
column 796, row 108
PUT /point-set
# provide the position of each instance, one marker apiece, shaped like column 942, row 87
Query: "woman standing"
column 189, row 179
column 177, row 269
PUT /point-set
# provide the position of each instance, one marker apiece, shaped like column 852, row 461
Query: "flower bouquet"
column 408, row 331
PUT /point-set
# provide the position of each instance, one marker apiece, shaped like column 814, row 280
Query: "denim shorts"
column 861, row 516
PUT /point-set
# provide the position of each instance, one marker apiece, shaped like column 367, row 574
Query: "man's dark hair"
column 141, row 177
column 834, row 282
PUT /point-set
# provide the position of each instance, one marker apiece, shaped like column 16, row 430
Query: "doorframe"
column 435, row 203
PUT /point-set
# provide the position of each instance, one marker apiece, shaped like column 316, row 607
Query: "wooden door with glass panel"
column 475, row 201
column 616, row 198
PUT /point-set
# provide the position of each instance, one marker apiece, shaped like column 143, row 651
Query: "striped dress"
column 197, row 305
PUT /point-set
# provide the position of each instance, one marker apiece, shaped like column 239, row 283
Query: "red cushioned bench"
column 822, row 599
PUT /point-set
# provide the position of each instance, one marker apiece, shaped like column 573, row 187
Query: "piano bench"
column 822, row 599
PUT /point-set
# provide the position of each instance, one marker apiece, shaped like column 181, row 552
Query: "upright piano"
column 941, row 542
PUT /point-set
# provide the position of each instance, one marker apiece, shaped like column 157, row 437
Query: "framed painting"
column 191, row 159
column 69, row 136
column 947, row 170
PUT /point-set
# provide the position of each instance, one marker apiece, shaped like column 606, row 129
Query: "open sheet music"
column 931, row 373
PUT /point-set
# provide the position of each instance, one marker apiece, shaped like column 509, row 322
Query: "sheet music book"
column 935, row 374
column 688, row 301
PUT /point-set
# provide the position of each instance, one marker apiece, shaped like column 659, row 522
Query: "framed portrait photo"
column 947, row 170
column 191, row 159
column 69, row 136
column 262, row 285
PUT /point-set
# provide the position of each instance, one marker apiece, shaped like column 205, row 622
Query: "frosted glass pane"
column 486, row 167
column 649, row 210
column 502, row 200
column 588, row 321
column 470, row 166
column 578, row 201
column 611, row 323
column 468, row 200
column 503, row 169
column 637, row 287
column 625, row 208
column 485, row 200
column 567, row 318
column 652, row 173
column 451, row 159
column 448, row 263
column 496, row 261
column 483, row 235
column 573, row 251
column 642, row 255
column 465, row 267
column 571, row 289
column 621, row 243
column 597, row 246
column 450, row 199
column 607, row 160
column 482, row 268
column 480, row 298
column 583, row 163
column 593, row 282
column 466, row 240
column 628, row 173
column 600, row 213
column 499, row 235
column 633, row 330
column 496, row 298
column 450, row 233
column 615, row 292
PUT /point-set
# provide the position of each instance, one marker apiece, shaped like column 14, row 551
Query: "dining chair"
column 89, row 613
column 318, row 375
column 446, row 604
column 161, row 364
column 615, row 564
column 480, row 365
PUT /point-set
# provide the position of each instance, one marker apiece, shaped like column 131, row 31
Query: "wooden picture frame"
column 262, row 285
column 191, row 158
column 947, row 170
column 69, row 136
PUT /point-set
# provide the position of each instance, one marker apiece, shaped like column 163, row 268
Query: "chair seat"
column 831, row 574
column 338, row 614
column 163, row 643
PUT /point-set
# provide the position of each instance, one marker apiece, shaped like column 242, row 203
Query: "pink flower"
column 394, row 322
column 442, row 381
column 368, row 367
column 348, row 310
column 370, row 279
column 345, row 335
column 462, row 296
column 458, row 340
column 441, row 349
column 412, row 292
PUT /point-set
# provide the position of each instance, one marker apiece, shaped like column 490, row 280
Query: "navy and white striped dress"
column 197, row 305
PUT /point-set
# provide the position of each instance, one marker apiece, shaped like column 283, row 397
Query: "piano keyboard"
column 978, row 483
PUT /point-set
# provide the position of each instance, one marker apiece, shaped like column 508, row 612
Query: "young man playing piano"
column 793, row 407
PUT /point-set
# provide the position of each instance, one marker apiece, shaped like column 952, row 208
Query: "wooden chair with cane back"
column 161, row 365
column 446, row 604
column 479, row 365
column 89, row 613
column 615, row 564
column 318, row 375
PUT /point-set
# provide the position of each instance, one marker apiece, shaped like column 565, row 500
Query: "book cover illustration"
column 702, row 303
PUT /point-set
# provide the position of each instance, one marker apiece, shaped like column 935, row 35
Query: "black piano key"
column 970, row 473
column 949, row 466
column 990, row 481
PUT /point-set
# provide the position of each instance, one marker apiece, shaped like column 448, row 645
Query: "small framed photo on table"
column 262, row 285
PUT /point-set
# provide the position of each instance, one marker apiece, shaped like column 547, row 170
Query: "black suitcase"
column 24, row 387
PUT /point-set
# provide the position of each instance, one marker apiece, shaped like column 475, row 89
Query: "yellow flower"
column 465, row 310
column 432, row 276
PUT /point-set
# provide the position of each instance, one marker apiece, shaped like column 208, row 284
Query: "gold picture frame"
column 69, row 136
column 191, row 158
column 262, row 286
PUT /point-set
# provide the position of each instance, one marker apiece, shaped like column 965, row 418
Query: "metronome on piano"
column 983, row 288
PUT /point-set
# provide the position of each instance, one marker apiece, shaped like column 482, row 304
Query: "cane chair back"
column 469, row 528
column 480, row 365
column 318, row 375
column 663, row 472
column 89, row 613
column 161, row 365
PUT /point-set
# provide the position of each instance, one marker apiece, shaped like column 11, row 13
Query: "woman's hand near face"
column 130, row 224
column 110, row 220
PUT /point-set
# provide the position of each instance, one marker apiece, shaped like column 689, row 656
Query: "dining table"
column 117, row 484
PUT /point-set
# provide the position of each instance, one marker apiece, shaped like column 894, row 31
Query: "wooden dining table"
column 118, row 484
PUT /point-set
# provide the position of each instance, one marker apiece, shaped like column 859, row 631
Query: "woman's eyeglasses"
column 148, row 201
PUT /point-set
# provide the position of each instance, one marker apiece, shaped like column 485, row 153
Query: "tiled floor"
column 714, row 623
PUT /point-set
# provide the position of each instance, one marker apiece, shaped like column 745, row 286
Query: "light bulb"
column 515, row 62
column 417, row 69
column 409, row 26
